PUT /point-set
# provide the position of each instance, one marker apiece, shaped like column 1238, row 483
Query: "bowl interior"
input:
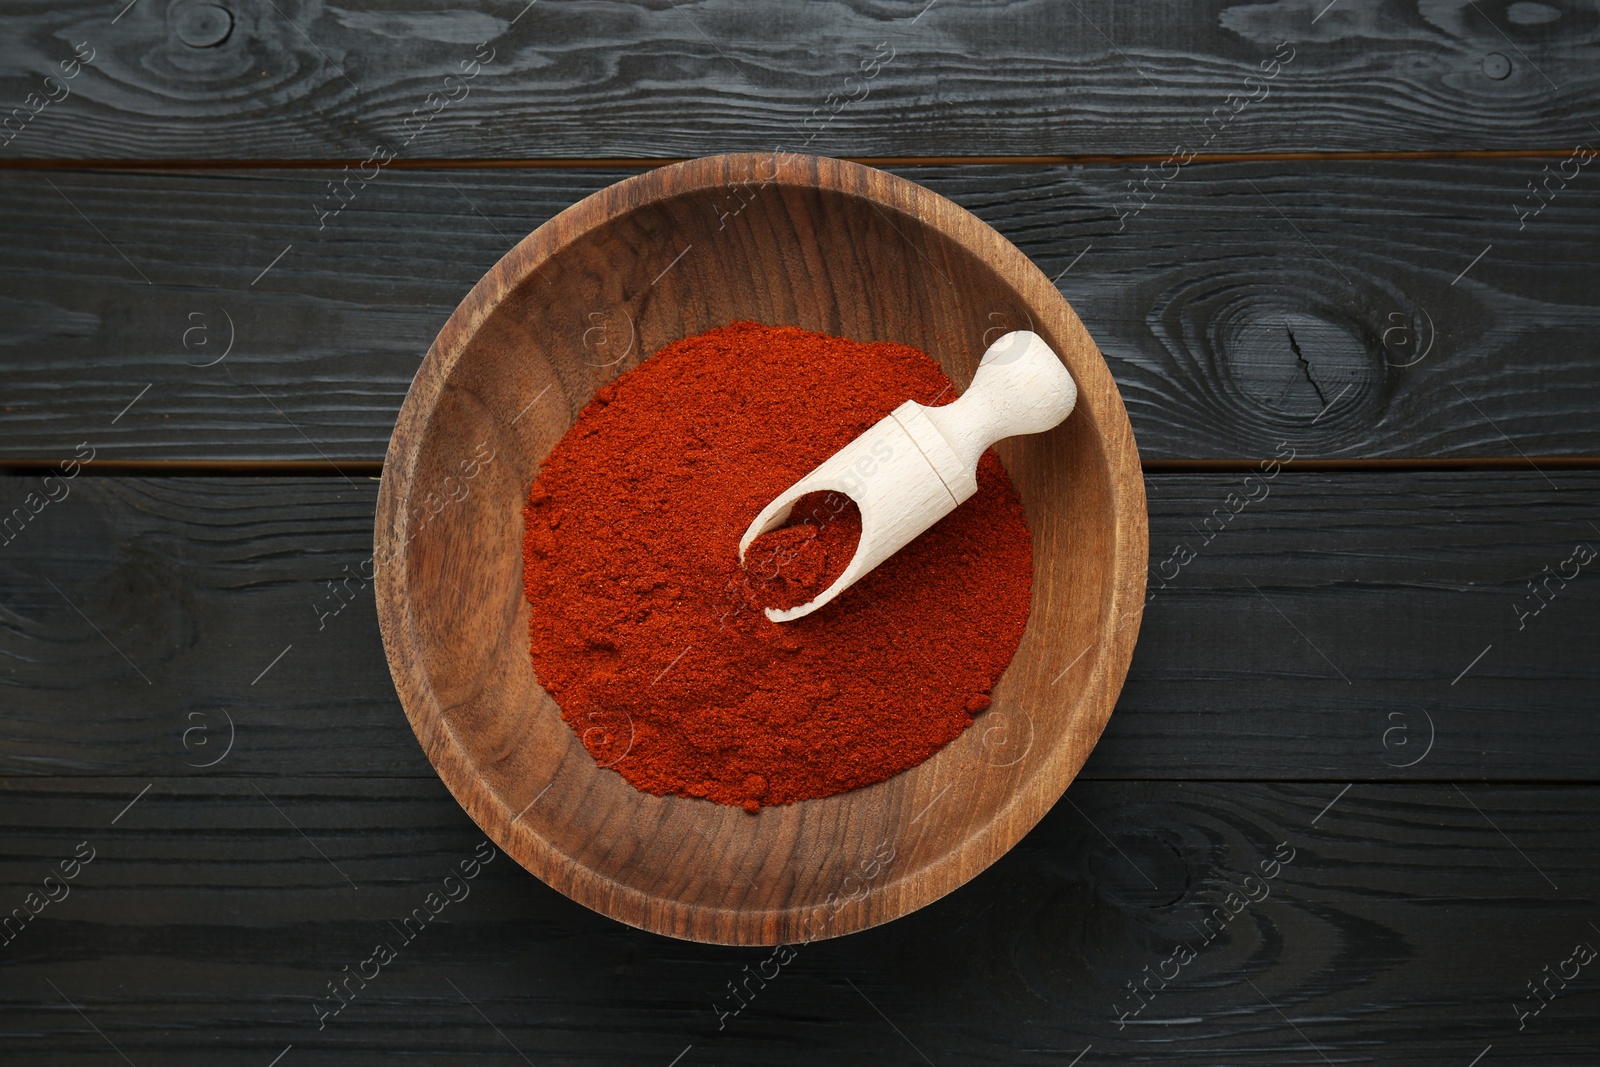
column 588, row 297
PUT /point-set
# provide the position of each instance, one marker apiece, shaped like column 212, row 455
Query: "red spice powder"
column 650, row 635
column 789, row 566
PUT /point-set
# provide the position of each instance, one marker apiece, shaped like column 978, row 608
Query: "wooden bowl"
column 785, row 240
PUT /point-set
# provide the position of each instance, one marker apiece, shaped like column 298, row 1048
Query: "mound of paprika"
column 650, row 635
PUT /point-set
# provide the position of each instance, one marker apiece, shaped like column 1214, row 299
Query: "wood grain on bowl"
column 781, row 239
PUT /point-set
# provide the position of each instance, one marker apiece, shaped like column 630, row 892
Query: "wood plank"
column 207, row 925
column 1350, row 323
column 584, row 80
column 1329, row 629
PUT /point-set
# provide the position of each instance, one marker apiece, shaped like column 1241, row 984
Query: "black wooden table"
column 1346, row 810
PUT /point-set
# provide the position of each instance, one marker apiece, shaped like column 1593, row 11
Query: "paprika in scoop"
column 651, row 637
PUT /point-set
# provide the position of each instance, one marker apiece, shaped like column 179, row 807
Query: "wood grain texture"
column 1245, row 308
column 1403, row 930
column 1228, row 326
column 300, row 79
column 1401, row 579
column 820, row 244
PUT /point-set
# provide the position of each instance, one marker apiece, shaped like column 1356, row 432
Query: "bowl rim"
column 1123, row 598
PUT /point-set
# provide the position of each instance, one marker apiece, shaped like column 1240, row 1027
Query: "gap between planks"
column 220, row 468
column 870, row 161
column 15, row 781
column 28, row 783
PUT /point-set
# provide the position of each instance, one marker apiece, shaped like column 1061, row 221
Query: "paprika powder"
column 650, row 635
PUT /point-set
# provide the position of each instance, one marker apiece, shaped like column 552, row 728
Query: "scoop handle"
column 1021, row 387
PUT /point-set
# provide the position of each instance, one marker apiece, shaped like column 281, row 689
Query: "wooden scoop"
column 919, row 463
